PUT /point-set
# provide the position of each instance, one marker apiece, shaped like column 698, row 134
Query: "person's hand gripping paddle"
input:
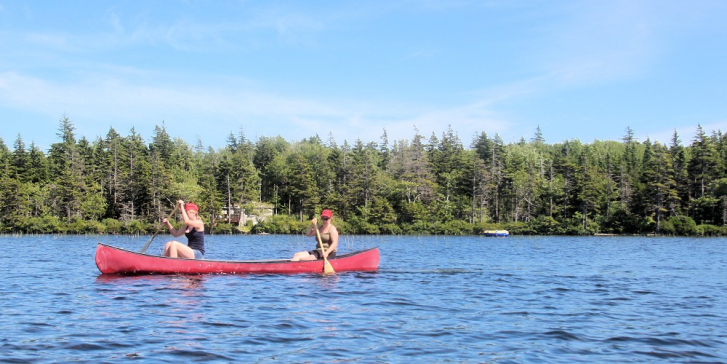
column 176, row 206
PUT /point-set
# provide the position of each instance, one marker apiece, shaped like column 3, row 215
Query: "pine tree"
column 681, row 177
column 538, row 138
column 114, row 155
column 20, row 161
column 68, row 168
column 135, row 179
column 37, row 165
column 266, row 149
column 703, row 166
column 630, row 158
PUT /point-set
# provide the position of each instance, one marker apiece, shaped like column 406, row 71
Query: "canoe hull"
column 113, row 260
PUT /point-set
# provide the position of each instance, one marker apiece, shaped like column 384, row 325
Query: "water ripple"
column 521, row 299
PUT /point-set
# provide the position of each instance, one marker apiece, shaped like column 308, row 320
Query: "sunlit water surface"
column 434, row 299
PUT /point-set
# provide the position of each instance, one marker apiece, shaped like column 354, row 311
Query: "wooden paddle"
column 143, row 250
column 327, row 267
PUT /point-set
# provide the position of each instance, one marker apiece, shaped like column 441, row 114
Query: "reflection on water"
column 174, row 281
column 517, row 299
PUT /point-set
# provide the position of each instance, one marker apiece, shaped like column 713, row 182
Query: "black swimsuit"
column 195, row 240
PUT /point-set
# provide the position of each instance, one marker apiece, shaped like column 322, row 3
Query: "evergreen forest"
column 119, row 184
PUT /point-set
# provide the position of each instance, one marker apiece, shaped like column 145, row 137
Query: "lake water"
column 434, row 299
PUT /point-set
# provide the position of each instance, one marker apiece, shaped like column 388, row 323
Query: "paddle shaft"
column 143, row 250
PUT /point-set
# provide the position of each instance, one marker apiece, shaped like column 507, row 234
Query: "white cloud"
column 223, row 108
column 581, row 45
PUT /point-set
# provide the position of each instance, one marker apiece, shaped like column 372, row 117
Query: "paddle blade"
column 143, row 250
column 328, row 268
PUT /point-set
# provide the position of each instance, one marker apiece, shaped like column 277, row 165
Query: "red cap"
column 191, row 206
column 327, row 213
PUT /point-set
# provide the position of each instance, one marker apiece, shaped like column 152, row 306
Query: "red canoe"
column 113, row 260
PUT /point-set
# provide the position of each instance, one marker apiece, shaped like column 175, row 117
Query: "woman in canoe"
column 329, row 237
column 193, row 229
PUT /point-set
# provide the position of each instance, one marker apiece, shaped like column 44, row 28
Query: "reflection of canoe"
column 113, row 260
column 498, row 233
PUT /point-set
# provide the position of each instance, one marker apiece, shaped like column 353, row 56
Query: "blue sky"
column 582, row 70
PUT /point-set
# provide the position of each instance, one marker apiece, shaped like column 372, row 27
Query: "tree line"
column 437, row 185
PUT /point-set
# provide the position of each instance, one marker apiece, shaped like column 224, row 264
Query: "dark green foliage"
column 282, row 224
column 41, row 225
column 223, row 228
column 124, row 185
column 711, row 230
column 683, row 225
column 113, row 226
